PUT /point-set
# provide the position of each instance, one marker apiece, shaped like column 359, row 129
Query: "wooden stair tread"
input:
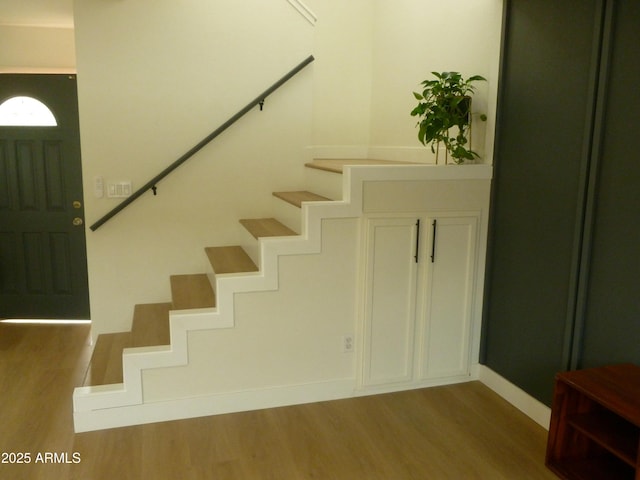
column 151, row 325
column 266, row 227
column 192, row 291
column 230, row 259
column 296, row 198
column 106, row 361
column 337, row 165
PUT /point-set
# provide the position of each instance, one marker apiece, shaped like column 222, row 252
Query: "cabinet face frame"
column 423, row 319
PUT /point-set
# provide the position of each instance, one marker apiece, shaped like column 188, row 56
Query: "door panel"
column 390, row 303
column 54, row 169
column 445, row 341
column 4, row 176
column 9, row 276
column 26, row 166
column 43, row 272
column 61, row 257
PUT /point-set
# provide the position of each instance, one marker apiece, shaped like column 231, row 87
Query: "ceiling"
column 45, row 13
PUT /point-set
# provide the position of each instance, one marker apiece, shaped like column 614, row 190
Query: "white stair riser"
column 288, row 214
column 327, row 184
column 250, row 245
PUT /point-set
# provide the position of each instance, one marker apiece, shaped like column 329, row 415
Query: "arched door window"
column 25, row 112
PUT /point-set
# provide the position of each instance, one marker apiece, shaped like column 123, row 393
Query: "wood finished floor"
column 455, row 432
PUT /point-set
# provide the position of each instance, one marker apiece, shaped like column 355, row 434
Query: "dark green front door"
column 43, row 265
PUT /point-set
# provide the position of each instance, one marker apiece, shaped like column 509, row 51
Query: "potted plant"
column 443, row 105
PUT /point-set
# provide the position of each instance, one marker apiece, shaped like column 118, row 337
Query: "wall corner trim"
column 534, row 409
column 304, row 10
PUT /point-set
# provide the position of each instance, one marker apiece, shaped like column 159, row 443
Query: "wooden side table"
column 595, row 424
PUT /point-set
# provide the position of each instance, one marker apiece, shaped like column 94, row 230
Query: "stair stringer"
column 129, row 394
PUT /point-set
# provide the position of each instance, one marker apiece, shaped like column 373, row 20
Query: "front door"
column 43, row 264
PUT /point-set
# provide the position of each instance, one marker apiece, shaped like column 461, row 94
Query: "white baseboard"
column 214, row 404
column 242, row 401
column 366, row 390
column 231, row 402
column 338, row 151
column 415, row 154
column 517, row 397
column 418, row 154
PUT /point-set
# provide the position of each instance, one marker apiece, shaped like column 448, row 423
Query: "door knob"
column 77, row 222
column 77, row 204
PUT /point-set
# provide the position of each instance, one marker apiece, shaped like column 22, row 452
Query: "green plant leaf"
column 445, row 104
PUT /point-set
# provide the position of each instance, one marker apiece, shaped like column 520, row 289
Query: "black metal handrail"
column 151, row 184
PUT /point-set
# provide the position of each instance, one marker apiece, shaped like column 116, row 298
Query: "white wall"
column 291, row 336
column 342, row 78
column 413, row 38
column 156, row 76
column 371, row 54
column 36, row 49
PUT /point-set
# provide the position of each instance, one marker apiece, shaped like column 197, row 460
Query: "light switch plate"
column 119, row 189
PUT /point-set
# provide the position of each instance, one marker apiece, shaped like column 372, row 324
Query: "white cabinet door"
column 390, row 300
column 420, row 273
column 447, row 309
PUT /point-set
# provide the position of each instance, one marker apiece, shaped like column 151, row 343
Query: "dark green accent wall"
column 612, row 307
column 558, row 152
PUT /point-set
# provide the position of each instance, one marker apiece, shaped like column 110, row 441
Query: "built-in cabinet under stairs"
column 113, row 393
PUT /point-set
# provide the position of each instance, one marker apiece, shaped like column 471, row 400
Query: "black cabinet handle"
column 433, row 241
column 417, row 239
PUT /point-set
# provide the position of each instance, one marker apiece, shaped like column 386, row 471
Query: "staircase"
column 150, row 325
column 112, row 393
